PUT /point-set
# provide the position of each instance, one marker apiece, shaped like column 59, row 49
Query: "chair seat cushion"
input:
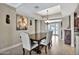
column 35, row 42
column 33, row 46
column 43, row 42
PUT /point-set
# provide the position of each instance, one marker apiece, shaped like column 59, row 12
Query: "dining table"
column 38, row 37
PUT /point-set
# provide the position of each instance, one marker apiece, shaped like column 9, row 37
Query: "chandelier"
column 46, row 17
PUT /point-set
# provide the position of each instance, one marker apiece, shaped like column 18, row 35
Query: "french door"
column 56, row 28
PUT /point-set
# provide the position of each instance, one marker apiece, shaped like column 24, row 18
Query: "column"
column 72, row 30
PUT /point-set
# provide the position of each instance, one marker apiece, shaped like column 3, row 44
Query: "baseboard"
column 10, row 47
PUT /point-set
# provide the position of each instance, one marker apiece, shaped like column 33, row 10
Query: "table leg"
column 38, row 49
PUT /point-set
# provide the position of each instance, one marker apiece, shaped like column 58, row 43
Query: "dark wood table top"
column 37, row 36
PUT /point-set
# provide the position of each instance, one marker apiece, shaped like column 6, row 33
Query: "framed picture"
column 21, row 22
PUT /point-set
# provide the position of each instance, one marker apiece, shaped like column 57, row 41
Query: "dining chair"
column 26, row 42
column 50, row 38
column 46, row 41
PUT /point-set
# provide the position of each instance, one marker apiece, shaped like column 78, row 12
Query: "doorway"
column 56, row 28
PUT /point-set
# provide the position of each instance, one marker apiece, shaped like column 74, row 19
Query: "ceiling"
column 31, row 9
column 15, row 5
column 50, row 11
column 77, row 11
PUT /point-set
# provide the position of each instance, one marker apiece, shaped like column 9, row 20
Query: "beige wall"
column 8, row 33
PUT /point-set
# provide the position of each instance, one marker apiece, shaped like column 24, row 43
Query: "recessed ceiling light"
column 36, row 7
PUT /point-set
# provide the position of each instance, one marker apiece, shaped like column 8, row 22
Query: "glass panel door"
column 55, row 28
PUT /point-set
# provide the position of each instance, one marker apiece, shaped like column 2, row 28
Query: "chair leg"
column 23, row 51
column 49, row 45
column 30, row 52
column 46, row 49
